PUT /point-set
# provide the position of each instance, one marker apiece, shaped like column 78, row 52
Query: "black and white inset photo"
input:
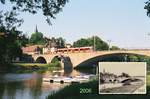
column 122, row 78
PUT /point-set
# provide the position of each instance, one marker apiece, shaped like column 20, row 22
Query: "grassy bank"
column 36, row 64
column 31, row 67
column 27, row 67
column 29, row 64
column 73, row 92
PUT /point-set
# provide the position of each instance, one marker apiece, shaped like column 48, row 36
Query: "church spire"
column 36, row 30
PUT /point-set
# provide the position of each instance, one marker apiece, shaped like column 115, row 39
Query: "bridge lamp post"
column 59, row 43
column 109, row 41
column 148, row 34
column 125, row 57
column 94, row 45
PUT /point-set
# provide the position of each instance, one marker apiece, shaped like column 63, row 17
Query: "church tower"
column 36, row 30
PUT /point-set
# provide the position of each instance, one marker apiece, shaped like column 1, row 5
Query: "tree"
column 9, row 47
column 99, row 44
column 81, row 43
column 147, row 7
column 60, row 42
column 133, row 58
column 11, row 40
column 49, row 7
column 37, row 38
column 114, row 48
column 23, row 40
column 9, row 20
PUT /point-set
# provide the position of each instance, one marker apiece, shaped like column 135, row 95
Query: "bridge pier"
column 67, row 64
column 62, row 64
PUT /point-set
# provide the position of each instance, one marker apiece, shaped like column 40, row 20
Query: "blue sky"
column 124, row 22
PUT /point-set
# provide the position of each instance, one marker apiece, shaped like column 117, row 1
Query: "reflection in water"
column 30, row 86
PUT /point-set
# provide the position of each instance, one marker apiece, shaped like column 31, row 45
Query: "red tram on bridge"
column 72, row 50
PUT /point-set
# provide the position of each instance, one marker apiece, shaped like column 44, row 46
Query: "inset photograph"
column 122, row 77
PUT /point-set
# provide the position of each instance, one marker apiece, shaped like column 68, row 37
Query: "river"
column 30, row 85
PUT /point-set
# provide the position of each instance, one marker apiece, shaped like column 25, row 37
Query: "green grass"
column 32, row 67
column 29, row 64
column 56, row 64
column 73, row 92
column 28, row 67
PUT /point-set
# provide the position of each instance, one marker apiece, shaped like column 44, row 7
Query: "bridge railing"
column 91, row 51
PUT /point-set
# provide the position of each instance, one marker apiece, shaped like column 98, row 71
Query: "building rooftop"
column 32, row 48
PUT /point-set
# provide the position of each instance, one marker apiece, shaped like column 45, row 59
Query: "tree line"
column 94, row 41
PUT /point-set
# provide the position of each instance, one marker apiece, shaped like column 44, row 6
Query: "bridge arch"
column 64, row 61
column 93, row 61
column 40, row 59
column 55, row 58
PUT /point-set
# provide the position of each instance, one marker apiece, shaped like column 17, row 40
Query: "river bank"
column 26, row 67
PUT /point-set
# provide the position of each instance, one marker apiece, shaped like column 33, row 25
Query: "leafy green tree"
column 23, row 40
column 99, row 44
column 9, row 47
column 37, row 38
column 49, row 7
column 81, row 43
column 60, row 42
column 133, row 58
column 114, row 48
column 8, row 20
column 10, row 37
column 147, row 7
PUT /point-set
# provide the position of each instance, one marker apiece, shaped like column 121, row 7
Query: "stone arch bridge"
column 78, row 58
